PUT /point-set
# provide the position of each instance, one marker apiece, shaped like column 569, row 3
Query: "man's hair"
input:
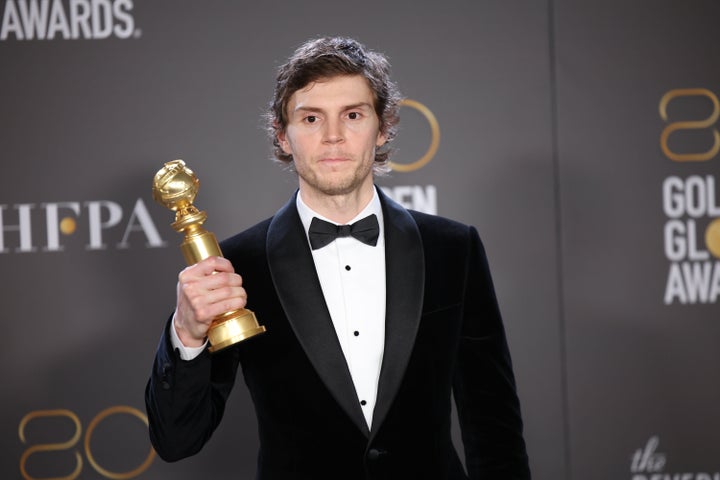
column 329, row 57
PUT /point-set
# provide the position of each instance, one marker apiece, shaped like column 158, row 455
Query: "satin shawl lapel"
column 296, row 281
column 404, row 280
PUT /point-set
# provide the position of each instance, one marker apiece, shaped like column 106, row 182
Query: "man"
column 366, row 339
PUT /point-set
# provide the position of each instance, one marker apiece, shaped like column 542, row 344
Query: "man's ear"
column 281, row 135
column 381, row 139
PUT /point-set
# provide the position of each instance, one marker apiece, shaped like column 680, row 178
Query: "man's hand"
column 205, row 290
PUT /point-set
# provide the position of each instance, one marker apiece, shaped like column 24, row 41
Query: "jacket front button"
column 375, row 454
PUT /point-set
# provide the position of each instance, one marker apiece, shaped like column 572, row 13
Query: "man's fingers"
column 226, row 298
column 216, row 287
column 207, row 267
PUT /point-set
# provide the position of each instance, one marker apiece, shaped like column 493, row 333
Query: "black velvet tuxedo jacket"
column 443, row 334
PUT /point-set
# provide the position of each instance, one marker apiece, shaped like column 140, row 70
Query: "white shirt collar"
column 307, row 213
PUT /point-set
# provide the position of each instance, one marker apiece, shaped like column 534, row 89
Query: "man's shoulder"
column 428, row 224
column 434, row 225
column 252, row 238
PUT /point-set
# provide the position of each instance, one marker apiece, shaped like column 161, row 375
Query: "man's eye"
column 310, row 119
column 354, row 115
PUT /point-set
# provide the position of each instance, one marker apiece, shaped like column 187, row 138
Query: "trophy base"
column 231, row 328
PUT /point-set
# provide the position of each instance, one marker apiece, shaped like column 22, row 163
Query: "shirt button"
column 347, row 267
column 363, row 402
column 356, row 333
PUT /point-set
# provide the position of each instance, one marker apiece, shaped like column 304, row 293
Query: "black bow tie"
column 322, row 233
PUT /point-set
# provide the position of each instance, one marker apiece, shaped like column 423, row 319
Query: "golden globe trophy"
column 175, row 187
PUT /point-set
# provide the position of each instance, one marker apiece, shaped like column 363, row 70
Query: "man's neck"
column 338, row 208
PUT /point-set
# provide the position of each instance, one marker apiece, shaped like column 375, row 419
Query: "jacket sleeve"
column 185, row 400
column 484, row 384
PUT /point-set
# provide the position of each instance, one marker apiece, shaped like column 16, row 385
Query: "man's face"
column 332, row 133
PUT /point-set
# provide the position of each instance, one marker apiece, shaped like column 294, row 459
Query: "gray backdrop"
column 550, row 143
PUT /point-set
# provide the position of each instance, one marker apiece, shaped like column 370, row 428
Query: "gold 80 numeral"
column 690, row 125
column 52, row 447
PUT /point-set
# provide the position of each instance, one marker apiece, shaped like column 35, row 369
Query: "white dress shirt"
column 352, row 278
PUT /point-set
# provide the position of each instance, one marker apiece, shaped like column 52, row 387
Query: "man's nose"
column 334, row 132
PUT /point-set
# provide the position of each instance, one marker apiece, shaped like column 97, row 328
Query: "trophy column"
column 175, row 187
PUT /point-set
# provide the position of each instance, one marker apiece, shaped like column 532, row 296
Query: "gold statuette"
column 175, row 187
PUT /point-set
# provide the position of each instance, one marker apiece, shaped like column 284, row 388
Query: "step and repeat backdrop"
column 581, row 138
